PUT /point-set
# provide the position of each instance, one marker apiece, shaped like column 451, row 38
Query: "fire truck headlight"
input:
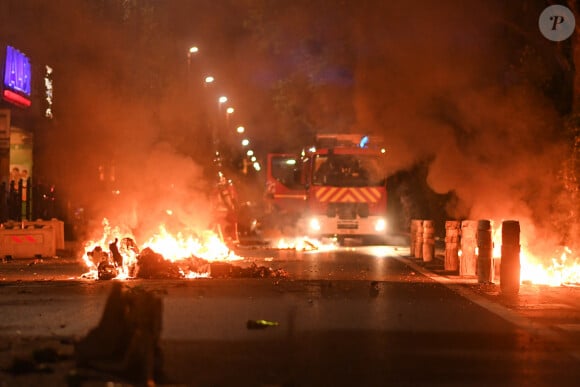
column 314, row 224
column 380, row 225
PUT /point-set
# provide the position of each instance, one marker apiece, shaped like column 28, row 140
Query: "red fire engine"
column 335, row 188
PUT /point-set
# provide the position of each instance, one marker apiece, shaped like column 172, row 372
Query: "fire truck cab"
column 337, row 187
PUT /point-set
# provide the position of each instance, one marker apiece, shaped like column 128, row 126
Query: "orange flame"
column 206, row 245
column 560, row 271
column 533, row 269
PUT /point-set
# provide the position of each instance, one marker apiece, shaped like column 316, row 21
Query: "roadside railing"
column 25, row 200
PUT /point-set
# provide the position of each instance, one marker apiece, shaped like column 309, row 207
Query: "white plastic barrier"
column 27, row 242
column 56, row 225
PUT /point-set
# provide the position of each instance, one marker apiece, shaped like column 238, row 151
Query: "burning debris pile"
column 165, row 256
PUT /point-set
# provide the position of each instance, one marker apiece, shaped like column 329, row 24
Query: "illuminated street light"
column 209, row 79
column 229, row 112
column 240, row 129
column 192, row 50
column 253, row 159
column 257, row 166
column 223, row 99
column 245, row 142
column 250, row 153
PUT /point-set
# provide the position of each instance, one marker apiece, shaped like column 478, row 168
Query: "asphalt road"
column 357, row 316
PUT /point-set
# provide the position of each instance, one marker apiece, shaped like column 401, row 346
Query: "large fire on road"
column 559, row 266
column 198, row 247
column 563, row 268
column 206, row 245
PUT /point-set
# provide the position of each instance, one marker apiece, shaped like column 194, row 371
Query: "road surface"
column 367, row 316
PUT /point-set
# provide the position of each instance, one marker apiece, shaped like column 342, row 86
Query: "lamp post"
column 229, row 112
column 215, row 133
column 192, row 51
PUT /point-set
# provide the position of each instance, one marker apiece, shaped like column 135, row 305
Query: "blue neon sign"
column 17, row 71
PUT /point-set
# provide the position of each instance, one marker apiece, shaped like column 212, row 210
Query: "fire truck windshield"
column 348, row 170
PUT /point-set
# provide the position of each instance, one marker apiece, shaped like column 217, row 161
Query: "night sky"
column 469, row 89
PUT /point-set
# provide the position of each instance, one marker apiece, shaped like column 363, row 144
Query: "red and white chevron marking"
column 348, row 195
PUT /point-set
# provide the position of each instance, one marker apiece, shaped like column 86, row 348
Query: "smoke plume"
column 445, row 95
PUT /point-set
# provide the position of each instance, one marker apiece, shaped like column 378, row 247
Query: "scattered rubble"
column 225, row 269
column 151, row 265
column 261, row 324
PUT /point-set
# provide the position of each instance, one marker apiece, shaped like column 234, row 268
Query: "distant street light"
column 229, row 112
column 223, row 99
column 250, row 153
column 192, row 50
column 240, row 129
column 208, row 80
column 245, row 142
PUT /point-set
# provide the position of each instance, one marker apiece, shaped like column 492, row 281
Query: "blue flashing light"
column 364, row 141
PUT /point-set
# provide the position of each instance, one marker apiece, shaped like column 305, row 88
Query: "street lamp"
column 192, row 50
column 229, row 112
column 240, row 129
column 222, row 99
column 209, row 80
column 245, row 142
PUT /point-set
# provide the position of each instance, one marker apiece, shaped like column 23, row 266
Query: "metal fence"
column 25, row 200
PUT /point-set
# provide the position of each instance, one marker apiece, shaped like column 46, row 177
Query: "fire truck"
column 334, row 188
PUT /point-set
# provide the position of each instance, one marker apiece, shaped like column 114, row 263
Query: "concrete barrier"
column 419, row 239
column 484, row 252
column 510, row 257
column 57, row 227
column 29, row 239
column 27, row 242
column 428, row 240
column 452, row 231
column 415, row 225
column 468, row 259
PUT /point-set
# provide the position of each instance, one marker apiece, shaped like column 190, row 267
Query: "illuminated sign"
column 48, row 91
column 17, row 78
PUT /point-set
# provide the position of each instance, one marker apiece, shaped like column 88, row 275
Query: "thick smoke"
column 445, row 96
column 129, row 141
column 435, row 79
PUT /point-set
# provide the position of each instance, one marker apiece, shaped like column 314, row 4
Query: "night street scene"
column 280, row 193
